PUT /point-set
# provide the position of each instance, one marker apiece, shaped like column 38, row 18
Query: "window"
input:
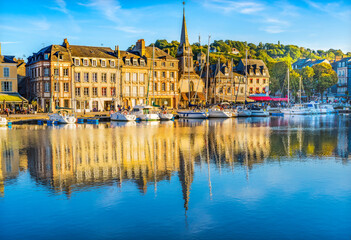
column 127, row 77
column 85, row 62
column 77, row 77
column 251, row 90
column 56, row 87
column 163, row 87
column 163, row 74
column 112, row 63
column 66, row 87
column 103, row 91
column 113, row 77
column 127, row 91
column 257, row 90
column 142, row 78
column 172, row 64
column 95, row 78
column 95, row 91
column 142, row 63
column 257, row 81
column 155, row 87
column 77, row 91
column 113, row 91
column 127, row 61
column 103, row 63
column 86, row 77
column 135, row 91
column 251, row 80
column 103, row 77
column 46, row 72
column 135, row 62
column 93, row 62
column 163, row 64
column 6, row 72
column 135, row 77
column 242, row 90
column 76, row 61
column 46, row 87
column 65, row 72
column 155, row 74
column 155, row 64
column 141, row 91
column 56, row 72
column 172, row 75
column 46, row 56
column 172, row 86
column 264, row 81
column 60, row 56
column 86, row 92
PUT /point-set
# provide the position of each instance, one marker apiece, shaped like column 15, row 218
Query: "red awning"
column 260, row 98
column 279, row 99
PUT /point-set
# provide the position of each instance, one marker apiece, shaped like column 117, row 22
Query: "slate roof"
column 6, row 59
column 91, row 52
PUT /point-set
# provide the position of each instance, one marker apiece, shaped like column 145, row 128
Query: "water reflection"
column 69, row 158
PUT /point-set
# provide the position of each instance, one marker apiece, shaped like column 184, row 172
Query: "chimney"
column 65, row 43
column 117, row 52
column 140, row 47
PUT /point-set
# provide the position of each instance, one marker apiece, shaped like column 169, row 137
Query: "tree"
column 278, row 75
column 294, row 82
column 324, row 77
column 309, row 84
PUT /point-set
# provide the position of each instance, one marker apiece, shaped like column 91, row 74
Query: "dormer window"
column 142, row 63
column 93, row 63
column 46, row 56
column 85, row 62
column 127, row 61
column 135, row 62
column 60, row 56
column 103, row 63
column 76, row 62
column 112, row 63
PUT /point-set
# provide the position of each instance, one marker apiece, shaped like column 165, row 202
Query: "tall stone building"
column 190, row 83
column 50, row 75
column 162, row 77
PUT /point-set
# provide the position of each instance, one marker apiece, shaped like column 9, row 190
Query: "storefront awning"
column 11, row 98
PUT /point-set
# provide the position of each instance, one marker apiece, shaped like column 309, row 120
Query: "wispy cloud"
column 229, row 6
column 334, row 9
column 9, row 42
column 62, row 6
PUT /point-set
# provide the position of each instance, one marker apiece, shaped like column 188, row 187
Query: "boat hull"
column 259, row 113
column 219, row 114
column 122, row 117
column 193, row 115
column 3, row 121
column 165, row 116
column 149, row 117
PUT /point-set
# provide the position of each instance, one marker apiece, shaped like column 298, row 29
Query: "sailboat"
column 296, row 109
column 3, row 121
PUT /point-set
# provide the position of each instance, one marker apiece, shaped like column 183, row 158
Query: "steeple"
column 184, row 40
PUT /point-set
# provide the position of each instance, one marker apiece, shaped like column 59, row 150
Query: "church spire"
column 184, row 40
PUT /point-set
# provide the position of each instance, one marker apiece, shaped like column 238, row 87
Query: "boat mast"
column 153, row 74
column 208, row 65
column 300, row 91
column 189, row 75
column 288, row 88
column 245, row 76
column 232, row 83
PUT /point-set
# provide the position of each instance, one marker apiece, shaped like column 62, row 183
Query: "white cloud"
column 229, row 6
column 334, row 9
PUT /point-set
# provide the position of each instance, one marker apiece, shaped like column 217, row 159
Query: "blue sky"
column 26, row 26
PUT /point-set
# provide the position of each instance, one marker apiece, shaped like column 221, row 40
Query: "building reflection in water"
column 74, row 157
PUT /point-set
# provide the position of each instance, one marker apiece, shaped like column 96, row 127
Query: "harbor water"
column 253, row 178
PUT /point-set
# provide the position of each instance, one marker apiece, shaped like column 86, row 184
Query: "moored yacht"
column 63, row 117
column 164, row 116
column 145, row 113
column 3, row 121
column 295, row 110
column 124, row 116
column 219, row 113
column 193, row 114
column 242, row 112
column 256, row 111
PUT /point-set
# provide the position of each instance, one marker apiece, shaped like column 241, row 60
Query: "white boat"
column 218, row 113
column 3, row 121
column 327, row 108
column 313, row 108
column 145, row 113
column 242, row 112
column 295, row 110
column 193, row 115
column 257, row 111
column 164, row 116
column 63, row 117
column 123, row 116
